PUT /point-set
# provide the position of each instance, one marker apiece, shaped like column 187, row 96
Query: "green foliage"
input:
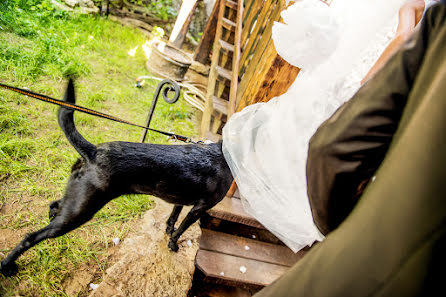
column 162, row 8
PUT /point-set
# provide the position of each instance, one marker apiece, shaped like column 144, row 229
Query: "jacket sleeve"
column 348, row 148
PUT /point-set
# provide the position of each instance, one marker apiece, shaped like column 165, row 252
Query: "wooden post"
column 232, row 189
column 207, row 39
column 182, row 23
column 207, row 114
column 105, row 7
column 235, row 60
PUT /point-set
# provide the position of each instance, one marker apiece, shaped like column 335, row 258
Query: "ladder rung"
column 226, row 47
column 228, row 24
column 220, row 105
column 224, row 75
column 231, row 4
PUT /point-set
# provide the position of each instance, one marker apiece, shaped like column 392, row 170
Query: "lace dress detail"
column 266, row 144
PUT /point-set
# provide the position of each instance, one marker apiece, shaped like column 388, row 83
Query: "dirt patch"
column 78, row 281
column 9, row 239
column 146, row 267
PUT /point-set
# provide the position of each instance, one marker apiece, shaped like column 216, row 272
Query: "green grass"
column 39, row 48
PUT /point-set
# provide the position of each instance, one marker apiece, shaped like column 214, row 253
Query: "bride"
column 266, row 144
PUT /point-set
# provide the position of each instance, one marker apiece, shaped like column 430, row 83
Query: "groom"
column 390, row 241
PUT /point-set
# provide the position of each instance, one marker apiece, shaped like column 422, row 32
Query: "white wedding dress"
column 266, row 144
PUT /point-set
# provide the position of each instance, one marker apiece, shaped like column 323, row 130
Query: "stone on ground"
column 145, row 266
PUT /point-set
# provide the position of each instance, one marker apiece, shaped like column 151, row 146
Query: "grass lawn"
column 39, row 48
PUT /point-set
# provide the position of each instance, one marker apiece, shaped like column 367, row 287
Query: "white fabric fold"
column 266, row 144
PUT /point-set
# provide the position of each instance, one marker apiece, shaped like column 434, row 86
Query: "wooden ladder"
column 224, row 71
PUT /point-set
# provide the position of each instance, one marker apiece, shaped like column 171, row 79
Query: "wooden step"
column 220, row 105
column 231, row 209
column 224, row 75
column 226, row 48
column 231, row 4
column 227, row 269
column 238, row 261
column 248, row 248
column 228, row 24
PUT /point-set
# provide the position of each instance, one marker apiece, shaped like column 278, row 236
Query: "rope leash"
column 92, row 112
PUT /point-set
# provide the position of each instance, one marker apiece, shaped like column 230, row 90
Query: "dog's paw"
column 173, row 246
column 9, row 269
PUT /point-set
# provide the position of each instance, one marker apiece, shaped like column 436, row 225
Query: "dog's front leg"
column 194, row 214
column 8, row 266
column 173, row 219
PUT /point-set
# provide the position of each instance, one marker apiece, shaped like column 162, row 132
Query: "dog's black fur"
column 194, row 174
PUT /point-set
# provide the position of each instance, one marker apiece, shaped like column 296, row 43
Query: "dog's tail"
column 66, row 122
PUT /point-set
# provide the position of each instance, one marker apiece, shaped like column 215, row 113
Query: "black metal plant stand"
column 164, row 87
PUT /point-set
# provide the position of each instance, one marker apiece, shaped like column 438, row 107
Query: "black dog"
column 191, row 174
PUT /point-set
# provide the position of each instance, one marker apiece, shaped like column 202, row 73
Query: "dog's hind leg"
column 173, row 219
column 194, row 214
column 8, row 266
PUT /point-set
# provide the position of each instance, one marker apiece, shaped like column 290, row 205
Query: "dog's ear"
column 70, row 96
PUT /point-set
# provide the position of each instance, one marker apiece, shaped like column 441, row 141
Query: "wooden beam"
column 279, row 78
column 235, row 60
column 256, row 74
column 249, row 248
column 207, row 114
column 231, row 209
column 264, row 20
column 182, row 23
column 227, row 269
column 207, row 39
column 249, row 20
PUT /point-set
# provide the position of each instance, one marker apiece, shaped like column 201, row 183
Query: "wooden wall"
column 263, row 74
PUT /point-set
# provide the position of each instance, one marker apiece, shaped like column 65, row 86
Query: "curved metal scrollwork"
column 171, row 87
column 165, row 87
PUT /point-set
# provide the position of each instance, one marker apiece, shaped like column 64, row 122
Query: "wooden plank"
column 207, row 114
column 231, row 209
column 249, row 248
column 256, row 45
column 262, row 21
column 266, row 53
column 224, row 75
column 204, row 48
column 238, row 229
column 254, row 75
column 228, row 24
column 182, row 23
column 232, row 189
column 235, row 61
column 226, row 47
column 201, row 287
column 236, row 194
column 249, row 20
column 227, row 268
column 220, row 105
column 247, row 8
column 206, row 289
column 279, row 78
column 231, row 4
column 217, row 125
column 226, row 59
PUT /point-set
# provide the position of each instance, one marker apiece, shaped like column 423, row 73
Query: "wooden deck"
column 237, row 255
